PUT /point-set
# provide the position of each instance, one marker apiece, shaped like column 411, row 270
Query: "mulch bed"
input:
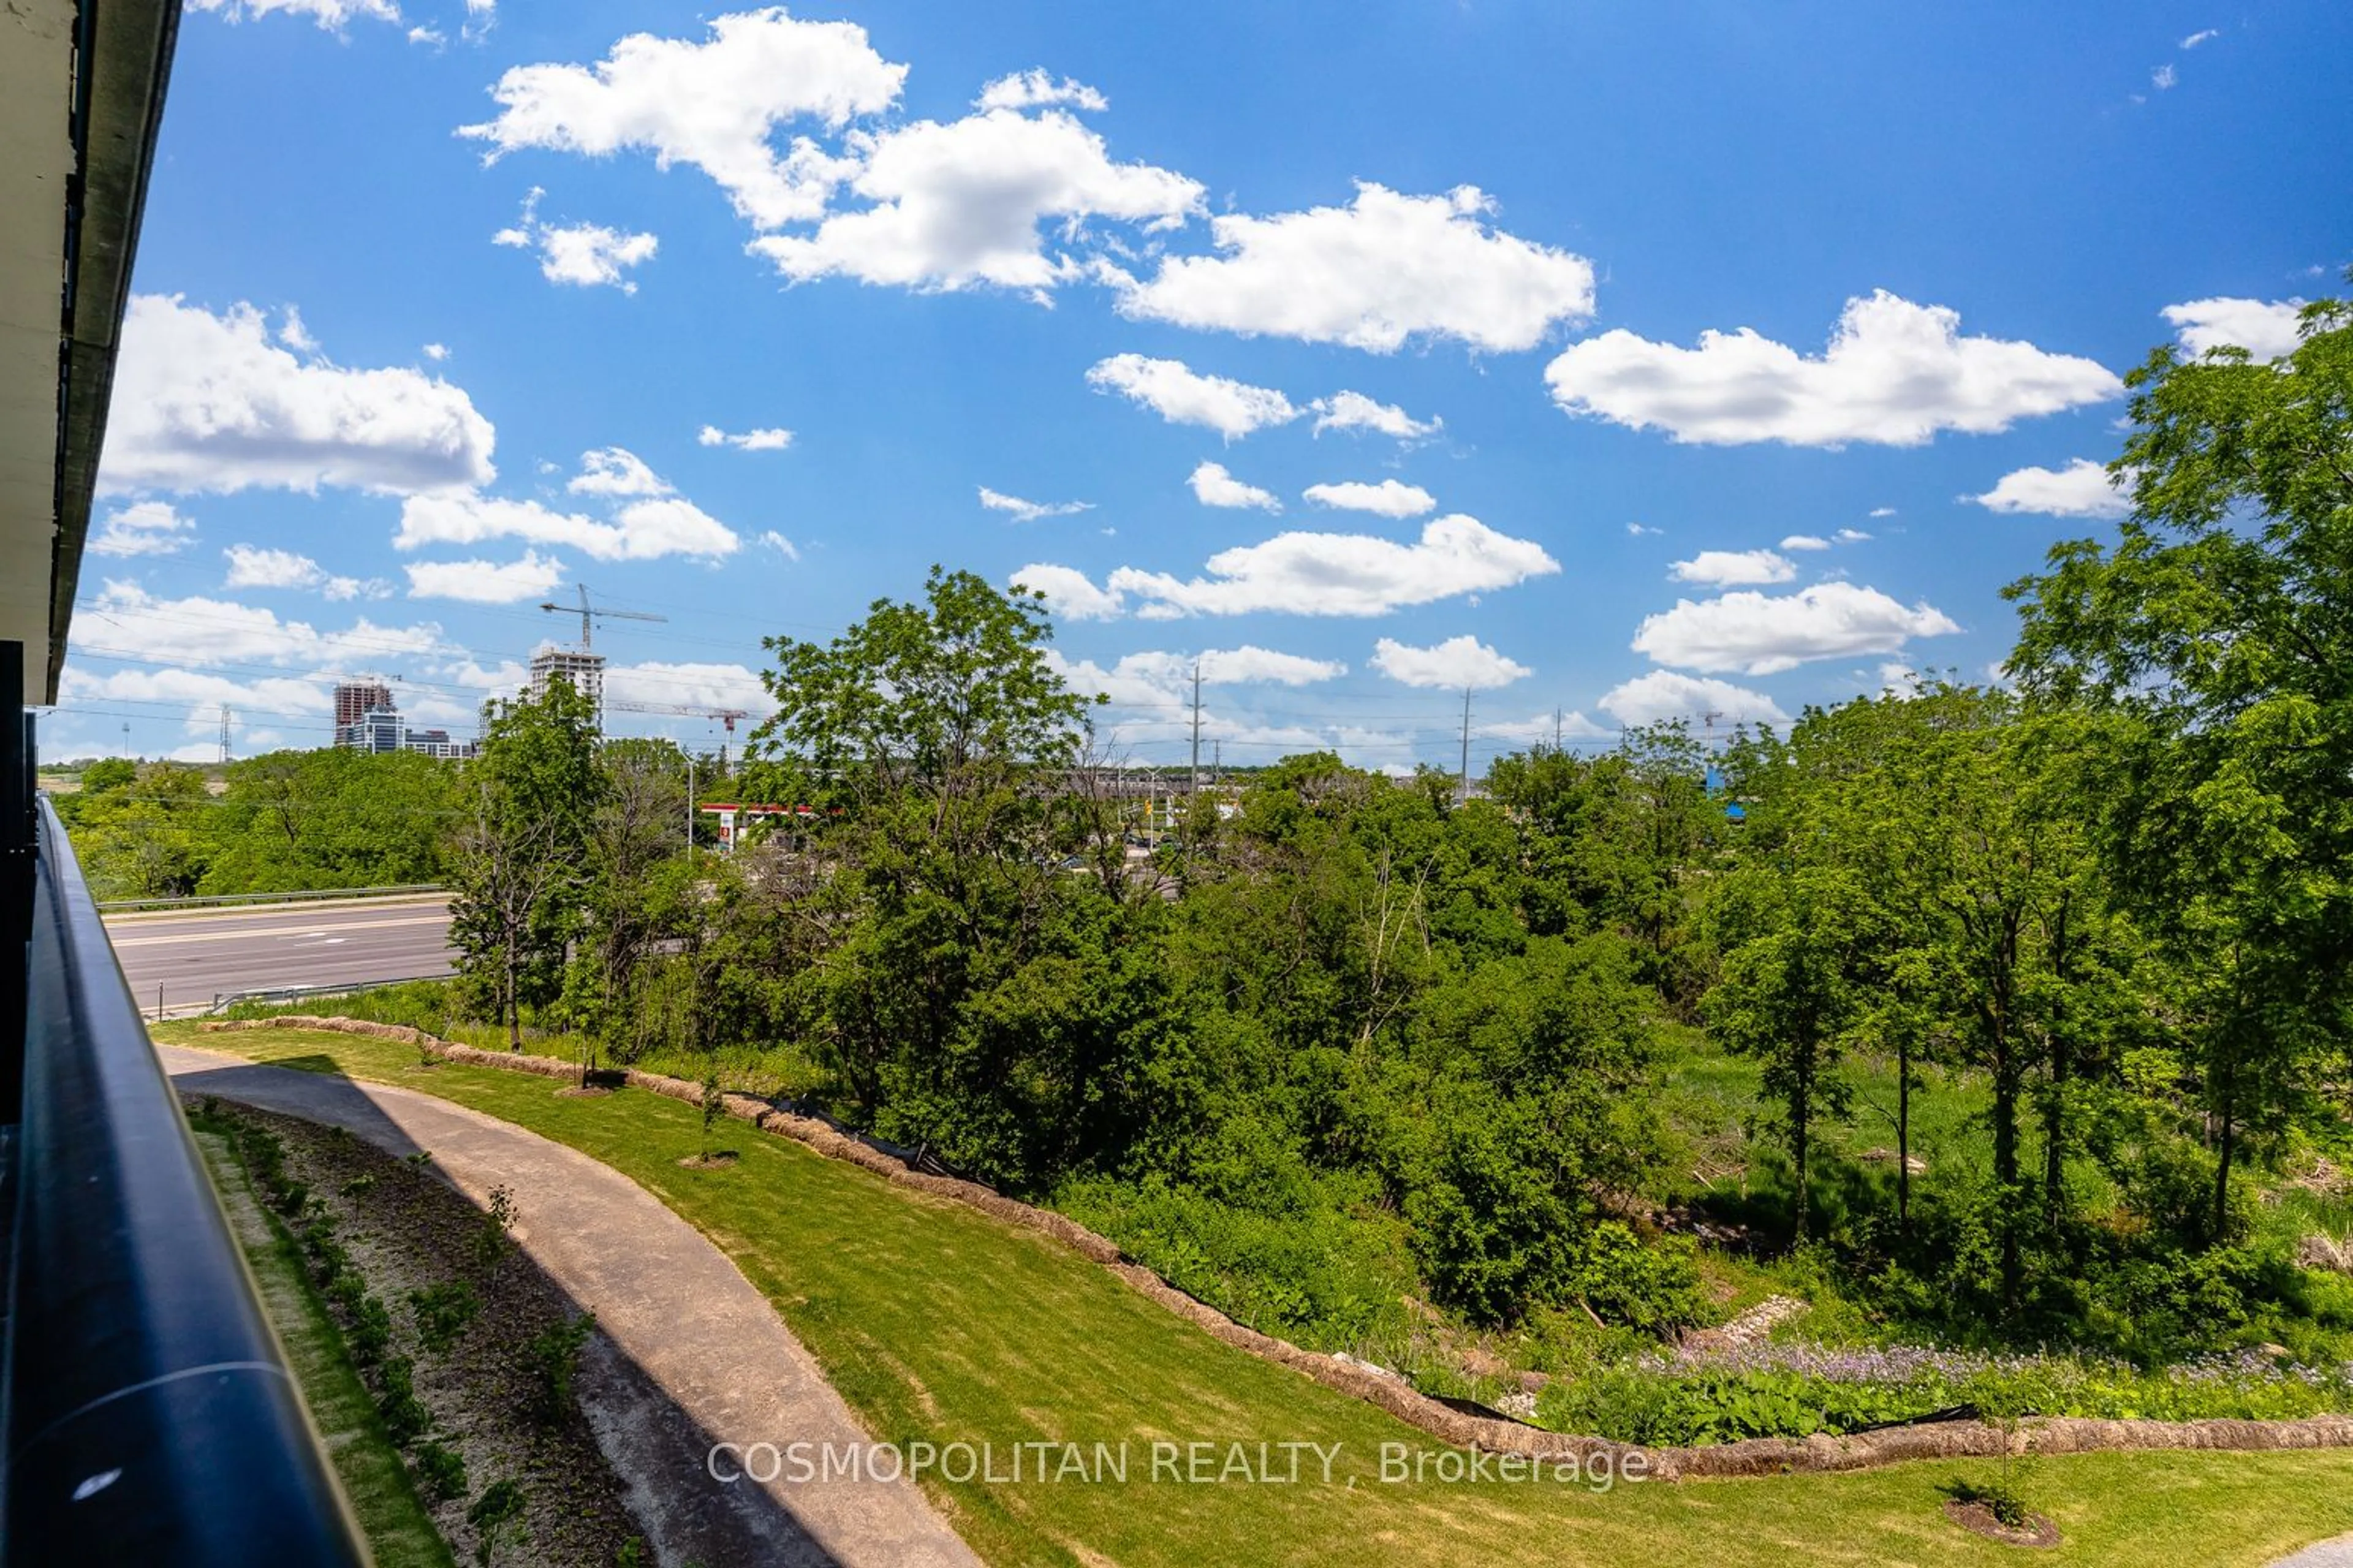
column 404, row 1229
column 1980, row 1519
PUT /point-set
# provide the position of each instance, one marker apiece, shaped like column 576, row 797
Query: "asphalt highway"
column 199, row 954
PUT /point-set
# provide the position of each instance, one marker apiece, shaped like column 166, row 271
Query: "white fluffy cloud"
column 640, row 531
column 2203, row 35
column 690, row 685
column 1151, row 698
column 1311, row 574
column 1035, row 88
column 2081, row 489
column 615, row 471
column 1730, row 568
column 1390, row 498
column 1663, row 695
column 767, row 440
column 485, row 582
column 144, row 528
column 123, row 619
column 1031, row 510
column 1805, row 541
column 2267, row 330
column 780, row 544
column 1182, row 395
column 585, row 255
column 1382, row 269
column 714, row 104
column 1543, row 728
column 209, row 403
column 1213, row 485
column 332, row 14
column 250, row 566
column 1353, row 410
column 1453, row 665
column 962, row 205
column 1251, row 664
column 649, row 522
column 1895, row 373
column 1172, row 673
column 1760, row 634
column 1069, row 592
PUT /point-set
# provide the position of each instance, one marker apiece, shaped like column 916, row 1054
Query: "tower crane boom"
column 588, row 613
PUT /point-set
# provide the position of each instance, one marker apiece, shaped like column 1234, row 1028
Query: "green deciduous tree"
column 520, row 854
column 2215, row 627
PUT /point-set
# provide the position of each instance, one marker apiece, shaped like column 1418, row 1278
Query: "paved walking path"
column 2337, row 1553
column 689, row 1352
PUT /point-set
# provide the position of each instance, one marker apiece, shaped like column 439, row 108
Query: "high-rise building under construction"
column 355, row 700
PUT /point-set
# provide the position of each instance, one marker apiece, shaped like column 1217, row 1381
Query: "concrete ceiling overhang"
column 82, row 96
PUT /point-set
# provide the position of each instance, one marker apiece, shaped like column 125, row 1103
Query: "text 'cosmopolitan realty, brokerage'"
column 1163, row 1463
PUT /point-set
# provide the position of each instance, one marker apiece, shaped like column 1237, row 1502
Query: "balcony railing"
column 146, row 1412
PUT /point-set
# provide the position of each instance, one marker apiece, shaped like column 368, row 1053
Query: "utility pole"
column 1193, row 778
column 1466, row 746
column 1555, row 730
column 689, row 808
column 224, row 738
column 1195, row 785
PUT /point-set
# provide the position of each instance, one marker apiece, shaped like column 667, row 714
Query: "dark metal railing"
column 146, row 1413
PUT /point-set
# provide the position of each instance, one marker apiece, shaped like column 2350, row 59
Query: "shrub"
column 491, row 1242
column 369, row 1332
column 442, row 1312
column 1316, row 1274
column 1653, row 1286
column 405, row 1415
column 500, row 1505
column 441, row 1472
column 552, row 1356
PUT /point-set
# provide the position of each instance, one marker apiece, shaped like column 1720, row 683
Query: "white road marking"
column 123, row 942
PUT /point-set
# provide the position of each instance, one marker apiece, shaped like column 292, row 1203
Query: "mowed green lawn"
column 941, row 1325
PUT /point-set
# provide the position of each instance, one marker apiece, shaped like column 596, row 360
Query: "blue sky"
column 1578, row 346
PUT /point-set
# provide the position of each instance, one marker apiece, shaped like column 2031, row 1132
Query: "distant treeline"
column 285, row 822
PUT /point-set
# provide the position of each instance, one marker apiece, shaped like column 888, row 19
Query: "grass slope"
column 937, row 1323
column 374, row 1477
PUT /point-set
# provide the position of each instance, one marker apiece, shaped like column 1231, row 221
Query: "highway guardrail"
column 205, row 900
column 224, row 1001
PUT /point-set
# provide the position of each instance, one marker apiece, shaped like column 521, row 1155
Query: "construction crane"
column 726, row 716
column 588, row 614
